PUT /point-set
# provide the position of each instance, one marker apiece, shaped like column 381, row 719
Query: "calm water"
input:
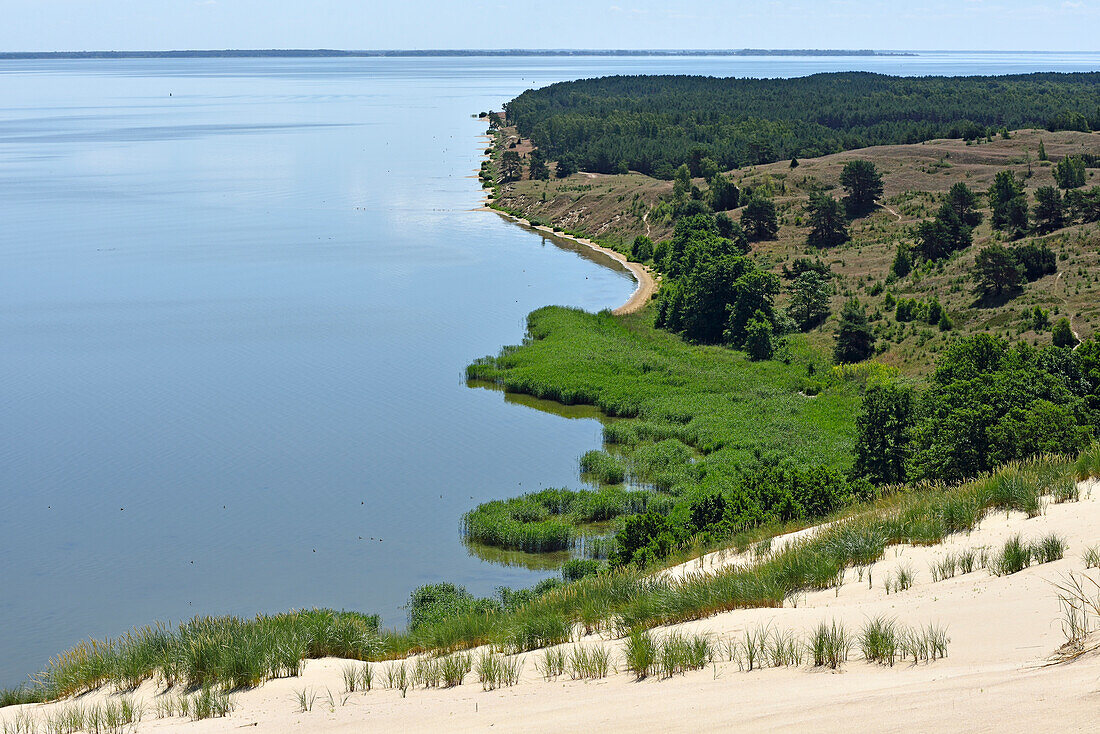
column 236, row 301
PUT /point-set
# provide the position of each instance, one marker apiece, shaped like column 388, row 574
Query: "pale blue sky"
column 41, row 25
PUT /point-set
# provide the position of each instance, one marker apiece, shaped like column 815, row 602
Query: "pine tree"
column 903, row 262
column 996, row 270
column 828, row 227
column 854, row 340
column 863, row 183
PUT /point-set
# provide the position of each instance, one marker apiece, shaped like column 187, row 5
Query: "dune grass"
column 1016, row 555
column 830, row 645
column 590, row 662
column 231, row 652
column 1087, row 465
column 678, row 653
column 641, row 654
column 552, row 663
column 1079, row 597
column 497, row 671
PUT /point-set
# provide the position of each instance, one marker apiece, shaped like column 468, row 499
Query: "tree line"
column 653, row 124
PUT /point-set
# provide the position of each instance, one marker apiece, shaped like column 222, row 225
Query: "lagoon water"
column 236, row 300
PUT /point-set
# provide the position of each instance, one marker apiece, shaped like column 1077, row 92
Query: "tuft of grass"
column 454, row 668
column 925, row 644
column 944, row 568
column 1065, row 490
column 165, row 707
column 552, row 663
column 1079, row 598
column 1014, row 557
column 589, row 662
column 66, row 720
column 427, row 673
column 1048, row 549
column 967, row 560
column 398, row 678
column 497, row 671
column 306, row 698
column 783, row 649
column 830, row 645
column 880, row 641
column 366, row 677
column 1091, row 556
column 641, row 654
column 210, row 703
column 1087, row 465
column 752, row 650
column 678, row 653
column 900, row 580
column 351, row 678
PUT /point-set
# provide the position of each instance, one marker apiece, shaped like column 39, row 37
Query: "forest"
column 653, row 124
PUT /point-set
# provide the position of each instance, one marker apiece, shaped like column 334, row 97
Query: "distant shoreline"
column 325, row 53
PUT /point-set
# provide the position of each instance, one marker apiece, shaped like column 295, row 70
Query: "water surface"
column 236, row 301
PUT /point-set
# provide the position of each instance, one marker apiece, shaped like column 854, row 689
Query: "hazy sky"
column 42, row 25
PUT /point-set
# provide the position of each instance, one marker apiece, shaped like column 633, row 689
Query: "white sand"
column 1003, row 632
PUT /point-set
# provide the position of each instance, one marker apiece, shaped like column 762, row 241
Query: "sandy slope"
column 1003, row 631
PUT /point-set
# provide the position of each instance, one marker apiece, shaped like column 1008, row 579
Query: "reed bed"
column 602, row 468
column 552, row 519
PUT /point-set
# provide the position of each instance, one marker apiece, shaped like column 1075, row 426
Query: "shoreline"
column 1002, row 630
column 645, row 283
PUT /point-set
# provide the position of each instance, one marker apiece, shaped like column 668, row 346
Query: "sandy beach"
column 646, row 283
column 998, row 675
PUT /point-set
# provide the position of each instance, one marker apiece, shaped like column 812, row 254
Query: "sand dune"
column 997, row 676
